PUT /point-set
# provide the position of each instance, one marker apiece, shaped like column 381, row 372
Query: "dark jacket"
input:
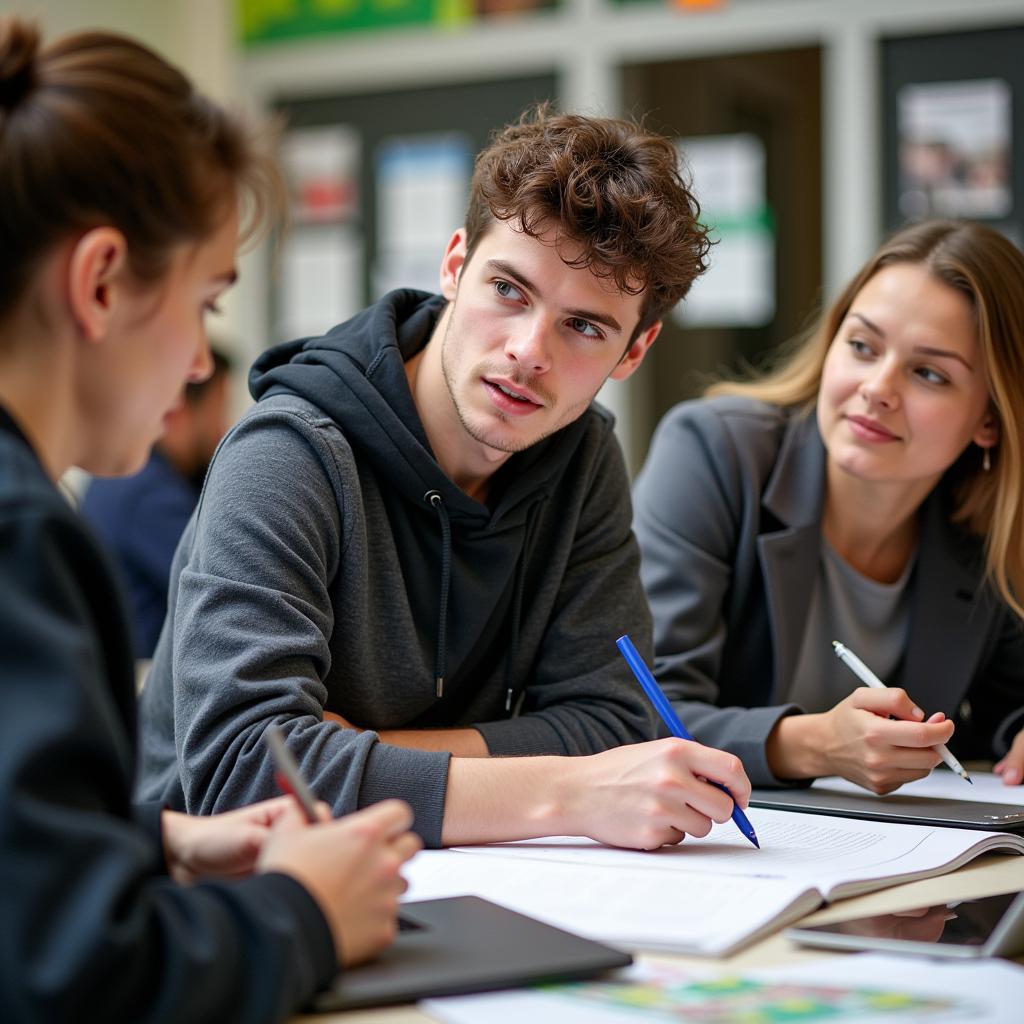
column 92, row 926
column 332, row 565
column 728, row 510
column 140, row 519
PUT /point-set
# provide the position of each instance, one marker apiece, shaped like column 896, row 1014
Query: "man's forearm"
column 458, row 742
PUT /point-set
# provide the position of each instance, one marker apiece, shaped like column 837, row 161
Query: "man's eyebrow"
column 506, row 269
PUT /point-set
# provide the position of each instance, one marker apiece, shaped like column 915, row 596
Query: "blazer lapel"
column 951, row 617
column 789, row 554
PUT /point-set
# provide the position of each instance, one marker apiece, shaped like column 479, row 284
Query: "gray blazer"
column 727, row 512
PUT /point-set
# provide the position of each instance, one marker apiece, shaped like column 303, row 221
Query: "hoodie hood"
column 456, row 553
column 356, row 374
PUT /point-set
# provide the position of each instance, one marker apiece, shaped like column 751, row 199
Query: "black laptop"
column 917, row 810
column 465, row 944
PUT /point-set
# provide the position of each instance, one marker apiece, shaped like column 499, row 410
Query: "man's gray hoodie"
column 332, row 566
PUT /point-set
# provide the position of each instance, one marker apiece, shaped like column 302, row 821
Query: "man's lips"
column 870, row 430
column 515, row 392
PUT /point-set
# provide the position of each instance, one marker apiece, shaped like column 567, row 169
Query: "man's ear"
column 452, row 264
column 635, row 353
column 95, row 280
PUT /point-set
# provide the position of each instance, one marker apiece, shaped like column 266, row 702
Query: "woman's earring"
column 986, row 460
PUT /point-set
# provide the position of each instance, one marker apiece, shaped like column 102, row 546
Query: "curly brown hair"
column 609, row 185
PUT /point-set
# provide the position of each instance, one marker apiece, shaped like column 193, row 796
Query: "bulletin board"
column 954, row 128
column 380, row 182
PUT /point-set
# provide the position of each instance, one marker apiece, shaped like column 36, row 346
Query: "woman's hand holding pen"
column 351, row 867
column 877, row 738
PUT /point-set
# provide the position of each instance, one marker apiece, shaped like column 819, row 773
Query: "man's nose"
column 531, row 347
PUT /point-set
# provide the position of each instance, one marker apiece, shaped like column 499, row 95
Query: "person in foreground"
column 119, row 229
column 869, row 490
column 414, row 553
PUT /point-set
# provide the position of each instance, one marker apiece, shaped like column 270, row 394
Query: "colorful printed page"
column 871, row 988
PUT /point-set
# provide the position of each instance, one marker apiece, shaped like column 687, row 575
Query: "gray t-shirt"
column 869, row 617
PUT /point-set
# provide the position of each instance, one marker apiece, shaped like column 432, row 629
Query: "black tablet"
column 987, row 926
column 466, row 944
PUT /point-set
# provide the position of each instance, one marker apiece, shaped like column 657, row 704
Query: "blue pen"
column 672, row 721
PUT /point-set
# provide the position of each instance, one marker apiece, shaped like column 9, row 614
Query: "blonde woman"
column 869, row 489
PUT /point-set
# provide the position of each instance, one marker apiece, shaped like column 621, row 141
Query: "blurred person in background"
column 141, row 518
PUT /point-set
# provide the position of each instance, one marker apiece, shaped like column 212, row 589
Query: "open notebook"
column 706, row 896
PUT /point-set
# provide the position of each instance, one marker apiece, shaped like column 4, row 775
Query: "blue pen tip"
column 753, row 839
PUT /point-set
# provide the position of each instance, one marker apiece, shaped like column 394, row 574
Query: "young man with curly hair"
column 414, row 553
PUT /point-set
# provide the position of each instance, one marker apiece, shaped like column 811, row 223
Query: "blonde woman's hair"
column 989, row 270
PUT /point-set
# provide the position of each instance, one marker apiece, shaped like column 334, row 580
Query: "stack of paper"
column 707, row 896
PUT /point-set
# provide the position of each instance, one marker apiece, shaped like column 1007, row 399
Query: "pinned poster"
column 422, row 186
column 954, row 149
column 321, row 166
column 321, row 279
column 729, row 181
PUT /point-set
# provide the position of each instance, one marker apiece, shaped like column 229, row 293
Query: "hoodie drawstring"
column 517, row 606
column 441, row 651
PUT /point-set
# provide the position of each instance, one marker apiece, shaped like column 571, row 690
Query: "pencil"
column 287, row 773
column 865, row 675
column 675, row 726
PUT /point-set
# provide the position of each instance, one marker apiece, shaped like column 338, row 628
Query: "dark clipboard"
column 915, row 810
column 466, row 944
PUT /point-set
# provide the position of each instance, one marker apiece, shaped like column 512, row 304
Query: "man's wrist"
column 465, row 742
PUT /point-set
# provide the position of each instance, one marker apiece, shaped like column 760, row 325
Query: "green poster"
column 262, row 21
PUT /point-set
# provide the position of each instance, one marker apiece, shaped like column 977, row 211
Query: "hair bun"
column 19, row 44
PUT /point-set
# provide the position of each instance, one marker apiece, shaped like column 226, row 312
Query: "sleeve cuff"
column 518, row 737
column 754, row 754
column 419, row 777
column 148, row 815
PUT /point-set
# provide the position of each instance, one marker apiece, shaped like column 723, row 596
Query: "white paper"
column 704, row 896
column 631, row 907
column 815, row 850
column 986, row 788
column 986, row 992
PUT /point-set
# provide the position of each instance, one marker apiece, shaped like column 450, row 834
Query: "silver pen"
column 866, row 676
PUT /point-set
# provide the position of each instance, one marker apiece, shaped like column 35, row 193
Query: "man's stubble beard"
column 509, row 447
